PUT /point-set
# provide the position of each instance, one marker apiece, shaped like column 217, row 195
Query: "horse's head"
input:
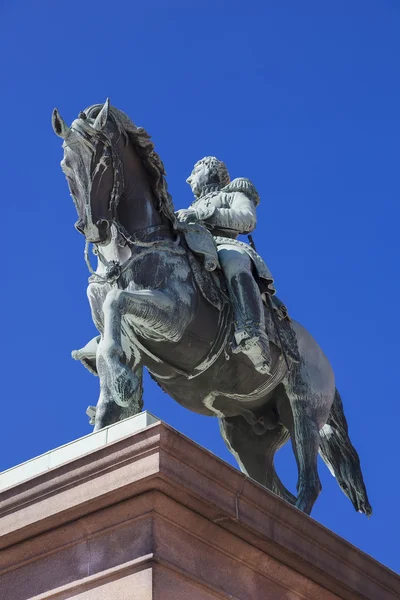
column 113, row 173
column 93, row 169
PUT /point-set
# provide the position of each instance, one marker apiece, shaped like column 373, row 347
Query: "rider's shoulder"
column 245, row 186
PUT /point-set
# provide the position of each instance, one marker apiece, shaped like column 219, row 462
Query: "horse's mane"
column 144, row 147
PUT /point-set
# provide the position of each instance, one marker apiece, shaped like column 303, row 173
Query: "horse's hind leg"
column 255, row 453
column 274, row 440
column 302, row 412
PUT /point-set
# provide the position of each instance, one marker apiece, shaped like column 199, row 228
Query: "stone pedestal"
column 138, row 511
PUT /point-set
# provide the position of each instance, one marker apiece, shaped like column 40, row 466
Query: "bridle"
column 114, row 269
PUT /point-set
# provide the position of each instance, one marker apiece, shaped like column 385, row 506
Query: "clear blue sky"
column 301, row 97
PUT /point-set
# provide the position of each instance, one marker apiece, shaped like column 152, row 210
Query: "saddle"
column 201, row 243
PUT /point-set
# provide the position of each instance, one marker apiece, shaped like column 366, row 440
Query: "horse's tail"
column 342, row 459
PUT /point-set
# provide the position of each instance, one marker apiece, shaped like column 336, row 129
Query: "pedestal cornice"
column 164, row 501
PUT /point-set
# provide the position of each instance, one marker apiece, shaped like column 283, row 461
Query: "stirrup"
column 256, row 348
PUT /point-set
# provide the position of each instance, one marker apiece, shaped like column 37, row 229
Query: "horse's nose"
column 102, row 225
column 80, row 226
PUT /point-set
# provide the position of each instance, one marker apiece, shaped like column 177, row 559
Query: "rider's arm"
column 240, row 216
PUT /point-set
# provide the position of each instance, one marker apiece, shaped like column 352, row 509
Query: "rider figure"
column 228, row 208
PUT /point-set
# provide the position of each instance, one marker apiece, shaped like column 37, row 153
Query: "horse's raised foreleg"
column 108, row 412
column 149, row 310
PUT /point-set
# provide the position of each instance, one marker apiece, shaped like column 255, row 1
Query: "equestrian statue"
column 179, row 294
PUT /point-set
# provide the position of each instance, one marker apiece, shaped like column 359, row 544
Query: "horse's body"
column 156, row 306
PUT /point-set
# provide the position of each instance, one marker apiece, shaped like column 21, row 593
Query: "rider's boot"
column 250, row 335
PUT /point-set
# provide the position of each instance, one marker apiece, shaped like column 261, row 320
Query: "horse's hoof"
column 91, row 413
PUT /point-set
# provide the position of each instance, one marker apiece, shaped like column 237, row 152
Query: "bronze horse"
column 157, row 303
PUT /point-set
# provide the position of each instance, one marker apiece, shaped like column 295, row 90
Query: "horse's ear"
column 59, row 125
column 102, row 117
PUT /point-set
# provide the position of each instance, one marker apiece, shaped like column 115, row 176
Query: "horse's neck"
column 137, row 212
column 137, row 208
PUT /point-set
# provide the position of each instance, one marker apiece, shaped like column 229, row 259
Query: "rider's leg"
column 247, row 304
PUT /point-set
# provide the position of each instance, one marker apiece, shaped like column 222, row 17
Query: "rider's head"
column 208, row 171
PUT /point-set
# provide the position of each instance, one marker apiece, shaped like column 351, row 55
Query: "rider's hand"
column 186, row 215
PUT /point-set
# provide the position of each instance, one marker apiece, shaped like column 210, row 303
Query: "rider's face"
column 198, row 178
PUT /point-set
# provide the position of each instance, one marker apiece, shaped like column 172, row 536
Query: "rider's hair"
column 218, row 171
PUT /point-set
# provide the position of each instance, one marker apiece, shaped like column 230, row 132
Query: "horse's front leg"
column 107, row 411
column 150, row 310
